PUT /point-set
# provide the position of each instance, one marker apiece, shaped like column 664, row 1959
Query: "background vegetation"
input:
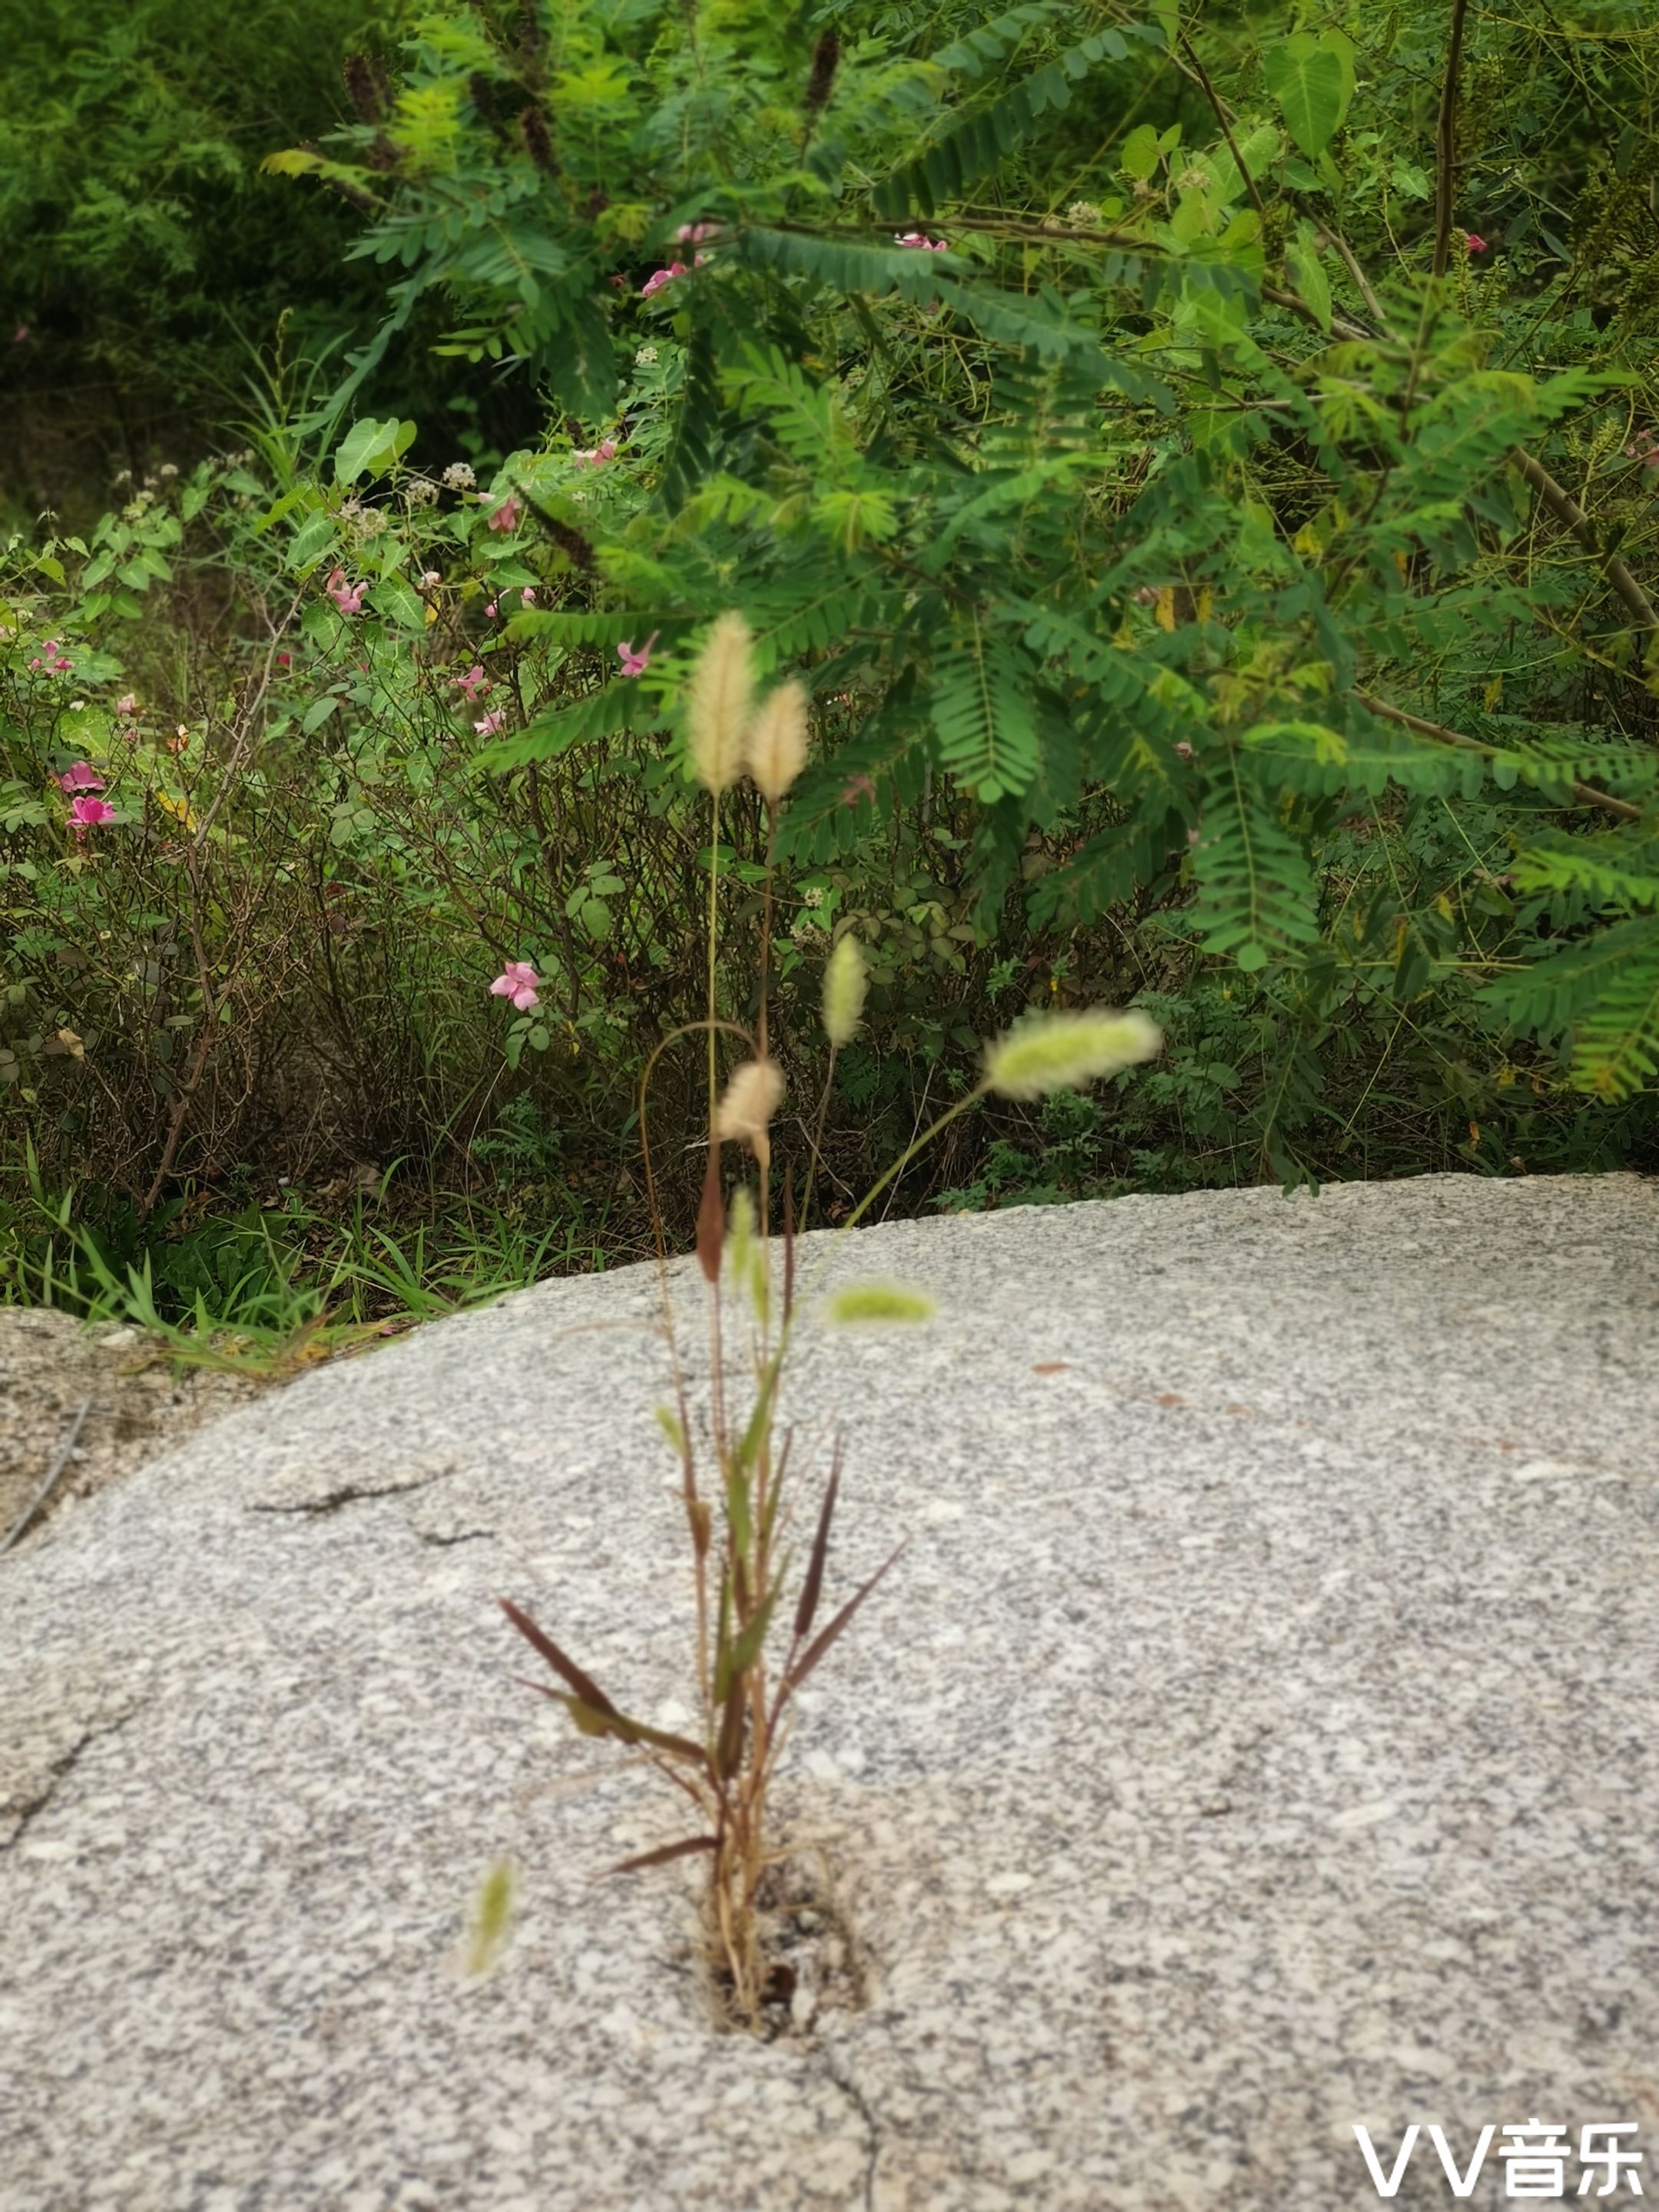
column 1203, row 468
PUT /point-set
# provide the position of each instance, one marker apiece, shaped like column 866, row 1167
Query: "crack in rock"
column 460, row 1536
column 856, row 2098
column 24, row 1814
column 348, row 1494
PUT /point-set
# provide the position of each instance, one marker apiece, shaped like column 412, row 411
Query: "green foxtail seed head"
column 717, row 702
column 844, row 985
column 752, row 1098
column 740, row 1233
column 1066, row 1052
column 487, row 1937
column 870, row 1305
column 776, row 745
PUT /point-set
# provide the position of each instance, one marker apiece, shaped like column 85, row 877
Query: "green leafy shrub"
column 1196, row 598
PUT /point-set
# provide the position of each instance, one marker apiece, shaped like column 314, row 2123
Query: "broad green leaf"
column 1312, row 79
column 1303, row 260
column 1139, row 157
column 371, row 447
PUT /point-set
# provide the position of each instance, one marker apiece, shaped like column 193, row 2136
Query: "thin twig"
column 1562, row 505
column 1445, row 140
column 1362, row 282
column 65, row 1449
column 1585, row 793
column 1220, row 115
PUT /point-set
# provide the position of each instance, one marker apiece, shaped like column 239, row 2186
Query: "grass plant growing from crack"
column 754, row 1649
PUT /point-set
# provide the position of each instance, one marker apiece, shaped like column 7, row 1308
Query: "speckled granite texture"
column 1258, row 1737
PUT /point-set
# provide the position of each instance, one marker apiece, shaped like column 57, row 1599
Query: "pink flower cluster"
column 658, row 277
column 472, row 684
column 1473, row 243
column 919, row 238
column 518, row 980
column 50, row 660
column 508, row 515
column 635, row 663
column 697, row 233
column 594, row 457
column 85, row 813
column 348, row 597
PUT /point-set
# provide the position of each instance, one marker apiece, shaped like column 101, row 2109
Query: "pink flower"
column 1184, row 749
column 348, row 597
column 285, row 660
column 635, row 663
column 919, row 238
column 505, row 516
column 517, row 982
column 594, row 457
column 430, row 580
column 694, row 233
column 87, row 814
column 658, row 277
column 34, row 664
column 528, row 595
column 490, row 609
column 1473, row 243
column 127, row 704
column 63, row 664
column 491, row 723
column 472, row 684
column 83, row 777
column 20, row 335
column 858, row 787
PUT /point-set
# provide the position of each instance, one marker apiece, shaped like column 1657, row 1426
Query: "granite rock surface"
column 1257, row 1738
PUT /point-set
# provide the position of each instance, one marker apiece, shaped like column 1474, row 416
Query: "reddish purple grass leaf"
column 584, row 1685
column 711, row 1216
column 815, row 1651
column 664, row 1852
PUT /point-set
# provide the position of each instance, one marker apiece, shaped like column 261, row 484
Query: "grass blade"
column 593, row 1722
column 812, row 1587
column 815, row 1651
column 664, row 1853
column 584, row 1685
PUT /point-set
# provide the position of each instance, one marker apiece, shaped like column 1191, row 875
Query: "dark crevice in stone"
column 348, row 1494
column 461, row 1536
column 860, row 2104
column 32, row 1808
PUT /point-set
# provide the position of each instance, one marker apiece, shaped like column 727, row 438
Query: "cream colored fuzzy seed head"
column 845, row 982
column 752, row 1098
column 1067, row 1052
column 776, row 747
column 719, row 699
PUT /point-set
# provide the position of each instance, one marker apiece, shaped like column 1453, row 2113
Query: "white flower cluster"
column 421, row 491
column 646, row 357
column 458, row 477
